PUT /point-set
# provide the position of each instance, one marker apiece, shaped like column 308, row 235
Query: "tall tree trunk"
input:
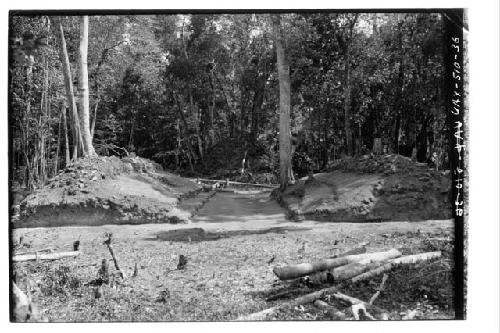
column 178, row 147
column 58, row 149
column 284, row 127
column 66, row 141
column 347, row 100
column 83, row 88
column 196, row 113
column 186, row 129
column 68, row 82
column 92, row 126
column 29, row 171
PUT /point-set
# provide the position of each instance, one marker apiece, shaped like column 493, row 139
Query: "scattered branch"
column 359, row 312
column 333, row 311
column 309, row 298
column 379, row 289
column 381, row 314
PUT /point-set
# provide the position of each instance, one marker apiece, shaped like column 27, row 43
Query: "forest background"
column 199, row 93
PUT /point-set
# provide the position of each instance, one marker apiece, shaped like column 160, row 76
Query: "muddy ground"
column 231, row 246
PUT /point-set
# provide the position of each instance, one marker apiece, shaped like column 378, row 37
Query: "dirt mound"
column 382, row 188
column 107, row 190
column 386, row 164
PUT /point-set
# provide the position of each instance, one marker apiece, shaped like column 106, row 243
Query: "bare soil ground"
column 231, row 247
column 371, row 189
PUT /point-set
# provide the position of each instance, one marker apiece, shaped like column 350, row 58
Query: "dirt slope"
column 108, row 190
column 371, row 189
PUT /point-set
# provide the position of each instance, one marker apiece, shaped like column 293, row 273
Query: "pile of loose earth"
column 370, row 189
column 108, row 190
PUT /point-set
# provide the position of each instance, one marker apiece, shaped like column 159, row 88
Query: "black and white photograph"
column 238, row 165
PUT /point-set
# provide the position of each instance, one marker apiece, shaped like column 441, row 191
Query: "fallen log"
column 237, row 183
column 345, row 272
column 45, row 256
column 295, row 271
column 406, row 260
column 309, row 298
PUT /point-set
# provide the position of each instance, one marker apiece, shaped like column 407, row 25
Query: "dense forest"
column 200, row 94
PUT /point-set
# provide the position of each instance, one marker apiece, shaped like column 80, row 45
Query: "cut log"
column 413, row 259
column 406, row 260
column 45, row 256
column 295, row 271
column 345, row 272
column 309, row 298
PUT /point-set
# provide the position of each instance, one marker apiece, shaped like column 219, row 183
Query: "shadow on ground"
column 200, row 235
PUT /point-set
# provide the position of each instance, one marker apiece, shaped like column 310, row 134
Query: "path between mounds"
column 251, row 210
column 238, row 210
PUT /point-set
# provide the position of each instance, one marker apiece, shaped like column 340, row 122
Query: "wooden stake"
column 107, row 242
column 135, row 270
